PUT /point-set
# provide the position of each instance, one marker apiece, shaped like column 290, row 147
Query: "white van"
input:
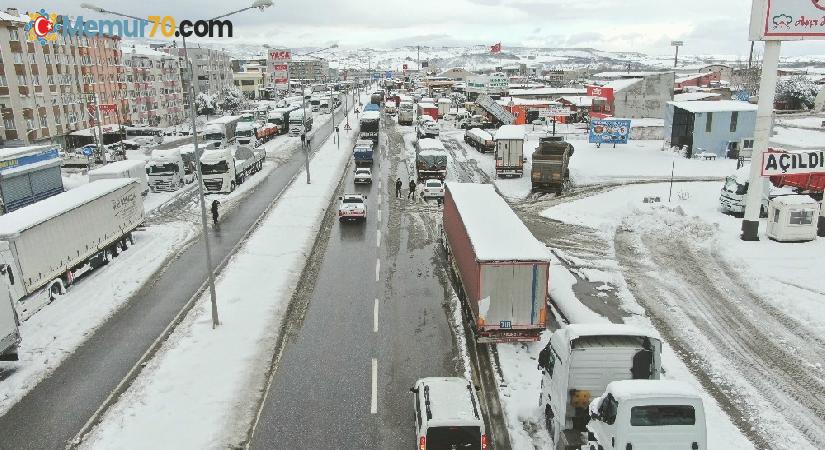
column 648, row 415
column 580, row 361
column 447, row 415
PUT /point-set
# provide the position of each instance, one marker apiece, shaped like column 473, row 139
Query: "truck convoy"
column 220, row 132
column 369, row 124
column 501, row 269
column 577, row 365
column 166, row 171
column 223, row 169
column 430, row 160
column 362, row 153
column 130, row 168
column 550, row 163
column 406, row 111
column 648, row 415
column 40, row 260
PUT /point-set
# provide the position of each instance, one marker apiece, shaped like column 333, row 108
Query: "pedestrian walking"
column 215, row 205
column 398, row 185
column 411, row 194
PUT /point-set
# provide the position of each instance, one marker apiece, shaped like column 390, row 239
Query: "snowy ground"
column 166, row 407
column 746, row 317
column 58, row 329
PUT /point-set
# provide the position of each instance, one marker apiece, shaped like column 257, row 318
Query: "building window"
column 31, row 59
column 29, row 124
column 17, row 57
column 801, row 217
column 8, row 123
column 36, row 80
column 44, row 122
column 21, row 80
column 13, row 34
column 3, row 81
column 708, row 122
column 734, row 119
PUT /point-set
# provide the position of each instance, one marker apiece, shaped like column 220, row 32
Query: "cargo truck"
column 551, row 159
column 130, row 168
column 280, row 118
column 46, row 246
column 444, row 105
column 430, row 160
column 166, row 170
column 223, row 169
column 220, row 132
column 509, row 151
column 405, row 113
column 428, row 109
column 577, row 365
column 480, row 140
column 362, row 152
column 501, row 270
column 369, row 125
column 247, row 134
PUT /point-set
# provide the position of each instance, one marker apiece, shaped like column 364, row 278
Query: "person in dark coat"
column 412, row 189
column 215, row 205
column 398, row 185
column 642, row 367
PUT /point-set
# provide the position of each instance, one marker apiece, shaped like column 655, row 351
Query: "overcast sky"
column 706, row 26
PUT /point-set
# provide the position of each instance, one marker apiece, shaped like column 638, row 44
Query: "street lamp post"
column 261, row 4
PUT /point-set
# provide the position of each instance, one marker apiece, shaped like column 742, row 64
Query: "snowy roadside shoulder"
column 57, row 330
column 200, row 389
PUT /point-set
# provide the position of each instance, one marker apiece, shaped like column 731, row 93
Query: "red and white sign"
column 277, row 68
column 555, row 111
column 280, row 55
column 599, row 91
column 785, row 20
column 104, row 107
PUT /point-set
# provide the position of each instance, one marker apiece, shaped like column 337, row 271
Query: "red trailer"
column 502, row 271
column 428, row 109
column 266, row 132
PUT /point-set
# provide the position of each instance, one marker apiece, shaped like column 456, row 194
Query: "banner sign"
column 790, row 163
column 104, row 107
column 780, row 20
column 277, row 68
column 555, row 111
column 29, row 159
column 609, row 131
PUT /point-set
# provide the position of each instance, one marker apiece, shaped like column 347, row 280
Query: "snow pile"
column 166, row 406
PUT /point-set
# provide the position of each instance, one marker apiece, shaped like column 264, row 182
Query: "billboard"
column 555, row 111
column 277, row 68
column 609, row 131
column 781, row 20
column 790, row 163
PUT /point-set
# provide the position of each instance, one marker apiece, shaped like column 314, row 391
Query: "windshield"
column 454, row 438
column 732, row 186
column 433, row 184
column 362, row 172
column 352, row 200
column 212, row 169
column 158, row 169
column 213, row 137
column 662, row 415
column 244, row 133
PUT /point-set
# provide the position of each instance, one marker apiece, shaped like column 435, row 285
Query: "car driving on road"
column 363, row 175
column 447, row 414
column 433, row 189
column 352, row 207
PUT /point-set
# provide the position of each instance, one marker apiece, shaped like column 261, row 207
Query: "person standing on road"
column 411, row 194
column 215, row 205
column 398, row 185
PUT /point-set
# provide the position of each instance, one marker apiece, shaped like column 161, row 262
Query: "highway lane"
column 56, row 409
column 343, row 378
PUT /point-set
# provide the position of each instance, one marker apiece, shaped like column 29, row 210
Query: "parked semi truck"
column 166, row 170
column 551, row 159
column 369, row 125
column 509, row 150
column 220, row 132
column 430, row 160
column 225, row 168
column 44, row 247
column 480, row 140
column 406, row 111
column 577, row 365
column 130, row 168
column 501, row 269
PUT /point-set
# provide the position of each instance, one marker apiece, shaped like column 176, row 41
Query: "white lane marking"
column 378, row 216
column 377, row 269
column 379, row 198
column 375, row 317
column 378, row 238
column 374, row 402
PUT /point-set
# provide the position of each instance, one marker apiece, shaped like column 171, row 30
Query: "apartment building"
column 154, row 87
column 250, row 79
column 308, row 69
column 48, row 91
column 213, row 69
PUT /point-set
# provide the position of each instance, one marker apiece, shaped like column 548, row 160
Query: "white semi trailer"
column 44, row 247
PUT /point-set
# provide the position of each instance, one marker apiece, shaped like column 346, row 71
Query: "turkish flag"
column 496, row 48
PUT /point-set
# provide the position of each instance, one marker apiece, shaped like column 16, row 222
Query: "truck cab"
column 165, row 170
column 246, row 134
column 648, row 415
column 218, row 170
column 580, row 361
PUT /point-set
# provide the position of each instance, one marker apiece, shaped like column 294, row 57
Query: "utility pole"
column 750, row 56
column 100, row 149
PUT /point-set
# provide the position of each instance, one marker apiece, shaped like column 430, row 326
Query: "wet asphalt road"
column 56, row 409
column 321, row 394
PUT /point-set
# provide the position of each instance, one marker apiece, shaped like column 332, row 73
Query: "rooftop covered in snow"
column 512, row 132
column 713, row 106
column 629, row 389
column 495, row 232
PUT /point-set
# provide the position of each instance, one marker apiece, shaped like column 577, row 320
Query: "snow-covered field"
column 59, row 328
column 166, row 407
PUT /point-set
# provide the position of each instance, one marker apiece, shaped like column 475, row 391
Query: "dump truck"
column 550, row 169
column 501, row 270
column 430, row 160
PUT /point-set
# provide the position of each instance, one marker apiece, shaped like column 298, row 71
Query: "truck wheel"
column 123, row 244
